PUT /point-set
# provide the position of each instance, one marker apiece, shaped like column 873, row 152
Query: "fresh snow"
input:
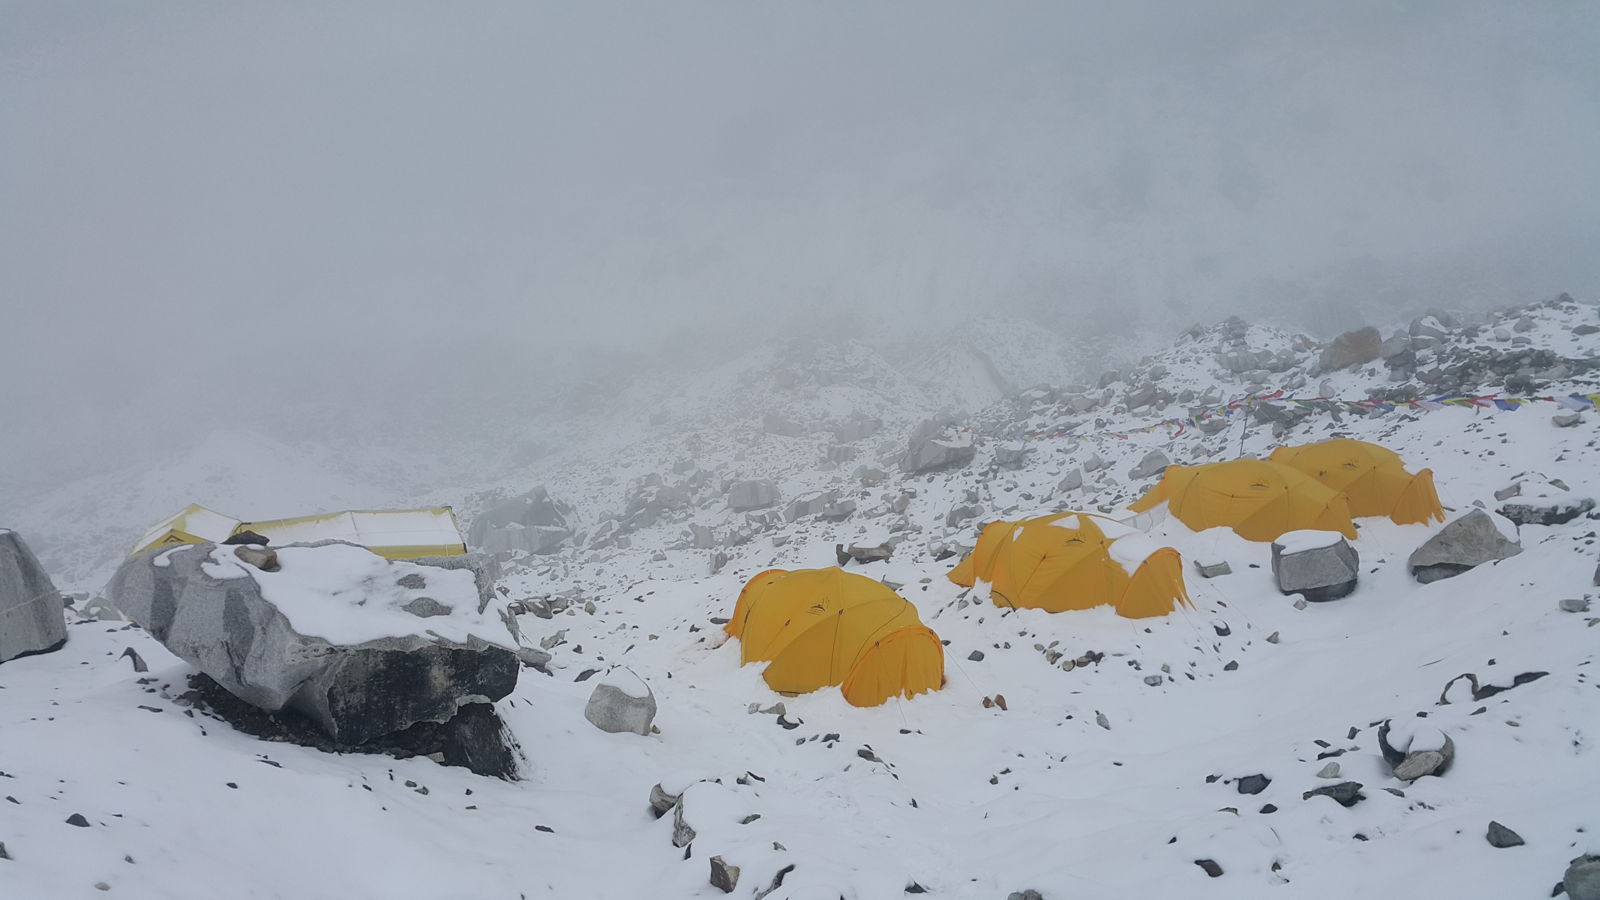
column 1307, row 539
column 966, row 799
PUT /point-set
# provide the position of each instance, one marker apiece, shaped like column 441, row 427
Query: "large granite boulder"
column 756, row 494
column 1351, row 349
column 1472, row 540
column 621, row 702
column 533, row 523
column 32, row 617
column 362, row 646
column 1318, row 565
column 934, row 446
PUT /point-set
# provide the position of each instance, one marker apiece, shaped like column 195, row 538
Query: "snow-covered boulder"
column 1319, row 565
column 1472, row 540
column 1011, row 455
column 744, row 496
column 1415, row 750
column 1582, row 879
column 621, row 702
column 363, row 646
column 32, row 617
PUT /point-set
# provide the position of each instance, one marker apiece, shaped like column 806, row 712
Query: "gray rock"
column 1029, row 894
column 1154, row 463
column 870, row 476
column 744, row 496
column 485, row 569
column 426, row 608
column 1011, row 456
column 961, row 514
column 1566, row 420
column 1154, row 680
column 615, row 710
column 1575, row 605
column 1252, row 784
column 1142, row 397
column 1094, row 463
column 683, row 833
column 809, row 506
column 932, row 448
column 534, row 510
column 1213, row 570
column 866, row 553
column 723, row 876
column 32, row 616
column 1501, row 837
column 1409, row 765
column 1394, row 345
column 1345, row 793
column 1072, row 481
column 1331, row 770
column 1546, row 512
column 1351, row 349
column 661, row 802
column 352, row 692
column 1471, row 540
column 1582, row 879
column 1423, row 762
column 1523, row 325
column 1319, row 573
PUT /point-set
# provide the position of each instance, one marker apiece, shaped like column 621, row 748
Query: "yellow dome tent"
column 1259, row 500
column 1372, row 478
column 1074, row 561
column 821, row 627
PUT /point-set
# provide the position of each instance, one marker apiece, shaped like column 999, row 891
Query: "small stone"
column 1300, row 603
column 723, row 876
column 1575, row 605
column 1272, row 638
column 78, row 820
column 1566, row 420
column 1210, row 866
column 1029, row 894
column 1501, row 837
column 1214, row 569
column 1232, row 666
column 975, row 656
column 139, row 663
column 1153, row 680
column 101, row 886
column 1331, row 770
column 1252, row 784
column 1101, row 720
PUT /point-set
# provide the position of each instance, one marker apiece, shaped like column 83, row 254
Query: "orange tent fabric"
column 822, row 627
column 1072, row 561
column 1259, row 500
column 1372, row 478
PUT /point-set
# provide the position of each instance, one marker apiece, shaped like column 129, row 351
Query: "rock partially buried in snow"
column 1582, row 879
column 621, row 702
column 1501, row 837
column 1546, row 510
column 1213, row 569
column 723, row 876
column 1072, row 481
column 933, row 446
column 32, row 617
column 1345, row 793
column 1154, row 463
column 1415, row 751
column 1011, row 455
column 1318, row 565
column 327, row 635
column 1472, row 540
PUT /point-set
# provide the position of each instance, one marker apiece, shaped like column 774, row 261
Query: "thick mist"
column 229, row 214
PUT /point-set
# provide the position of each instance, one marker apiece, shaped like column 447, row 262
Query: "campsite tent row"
column 390, row 533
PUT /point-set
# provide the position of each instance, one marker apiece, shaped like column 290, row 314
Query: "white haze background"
column 326, row 216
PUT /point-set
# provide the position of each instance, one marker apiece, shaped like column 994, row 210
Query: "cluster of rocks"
column 530, row 523
column 359, row 695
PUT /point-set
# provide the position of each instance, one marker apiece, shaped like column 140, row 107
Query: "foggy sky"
column 343, row 198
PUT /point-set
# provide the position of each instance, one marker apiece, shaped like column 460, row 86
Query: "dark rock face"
column 1501, row 837
column 363, row 694
column 31, row 616
column 1253, row 784
column 1553, row 512
column 474, row 738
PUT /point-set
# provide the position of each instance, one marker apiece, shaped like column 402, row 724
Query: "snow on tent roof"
column 392, row 533
column 193, row 522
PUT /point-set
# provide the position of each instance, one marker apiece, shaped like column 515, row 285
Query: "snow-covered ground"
column 1087, row 781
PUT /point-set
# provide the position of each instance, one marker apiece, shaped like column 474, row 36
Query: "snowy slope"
column 944, row 792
